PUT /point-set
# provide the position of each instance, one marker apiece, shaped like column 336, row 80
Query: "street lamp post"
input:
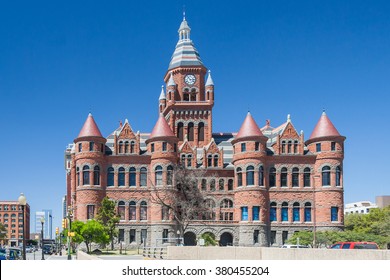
column 69, row 230
column 51, row 226
column 178, row 237
column 42, row 222
column 22, row 201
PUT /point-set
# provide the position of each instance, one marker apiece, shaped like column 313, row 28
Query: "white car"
column 290, row 246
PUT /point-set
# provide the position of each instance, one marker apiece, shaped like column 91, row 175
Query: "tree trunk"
column 112, row 243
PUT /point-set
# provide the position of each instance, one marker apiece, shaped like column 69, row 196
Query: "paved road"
column 38, row 256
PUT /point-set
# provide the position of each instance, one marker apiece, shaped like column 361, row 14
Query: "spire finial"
column 289, row 118
column 323, row 112
column 184, row 12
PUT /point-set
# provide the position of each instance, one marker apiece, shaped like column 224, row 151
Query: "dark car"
column 3, row 254
column 47, row 249
column 355, row 245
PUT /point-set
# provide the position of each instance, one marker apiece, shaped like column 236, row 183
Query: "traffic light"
column 64, row 223
column 57, row 230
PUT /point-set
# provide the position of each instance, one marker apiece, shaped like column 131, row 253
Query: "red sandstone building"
column 11, row 217
column 264, row 184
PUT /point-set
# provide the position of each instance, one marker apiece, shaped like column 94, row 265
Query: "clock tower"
column 189, row 99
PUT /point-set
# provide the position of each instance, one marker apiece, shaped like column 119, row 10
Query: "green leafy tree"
column 108, row 217
column 3, row 233
column 93, row 231
column 209, row 239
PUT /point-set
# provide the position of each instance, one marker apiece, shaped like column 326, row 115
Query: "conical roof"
column 90, row 128
column 249, row 128
column 209, row 81
column 161, row 129
column 324, row 128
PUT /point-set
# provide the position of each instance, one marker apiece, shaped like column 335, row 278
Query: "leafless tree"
column 181, row 198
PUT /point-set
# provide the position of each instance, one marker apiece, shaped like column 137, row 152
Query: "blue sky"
column 59, row 61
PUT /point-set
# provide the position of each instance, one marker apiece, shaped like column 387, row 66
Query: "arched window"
column 96, row 175
column 132, row 176
column 169, row 175
column 221, row 184
column 158, row 175
column 261, row 176
column 78, row 176
column 126, row 147
column 132, row 211
column 189, row 160
column 132, row 147
column 306, row 177
column 230, row 184
column 86, row 175
column 180, row 131
column 326, row 176
column 226, row 203
column 204, row 184
column 295, row 177
column 186, row 97
column 190, row 135
column 201, row 131
column 121, row 176
column 272, row 212
column 284, row 212
column 183, row 160
column 209, row 161
column 289, row 147
column 110, row 176
column 239, row 176
column 143, row 211
column 338, row 176
column 210, row 213
column 307, row 210
column 272, row 177
column 283, row 177
column 121, row 210
column 120, row 147
column 144, row 177
column 296, row 209
column 295, row 147
column 193, row 96
column 215, row 160
column 283, row 147
column 212, row 185
column 250, row 176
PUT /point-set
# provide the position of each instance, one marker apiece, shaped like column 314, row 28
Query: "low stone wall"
column 84, row 256
column 265, row 253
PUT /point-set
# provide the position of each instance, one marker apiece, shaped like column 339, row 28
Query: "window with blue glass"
column 334, row 214
column 307, row 212
column 244, row 213
column 326, row 176
column 243, row 147
column 283, row 177
column 121, row 176
column 239, row 177
column 272, row 212
column 318, row 147
column 284, row 212
column 338, row 176
column 110, row 176
column 261, row 176
column 132, row 176
column 250, row 176
column 296, row 217
column 272, row 177
column 256, row 213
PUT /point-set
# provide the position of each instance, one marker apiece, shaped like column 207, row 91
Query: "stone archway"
column 189, row 239
column 226, row 239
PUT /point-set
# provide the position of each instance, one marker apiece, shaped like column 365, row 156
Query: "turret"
column 210, row 88
column 162, row 100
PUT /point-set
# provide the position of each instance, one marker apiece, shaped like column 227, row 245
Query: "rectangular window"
column 144, row 233
column 257, row 146
column 244, row 213
column 80, row 147
column 164, row 146
column 243, row 147
column 273, row 237
column 132, row 235
column 272, row 214
column 121, row 235
column 90, row 211
column 256, row 236
column 90, row 146
column 284, row 214
column 334, row 214
column 164, row 213
column 165, row 236
column 333, row 146
column 152, row 148
column 318, row 147
column 256, row 213
column 284, row 236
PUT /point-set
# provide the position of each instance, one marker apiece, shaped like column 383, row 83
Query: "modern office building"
column 263, row 183
column 47, row 226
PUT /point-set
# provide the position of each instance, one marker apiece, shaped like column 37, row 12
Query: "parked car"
column 288, row 246
column 3, row 254
column 355, row 245
column 29, row 249
column 47, row 249
column 14, row 254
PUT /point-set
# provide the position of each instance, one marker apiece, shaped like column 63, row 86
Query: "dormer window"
column 120, row 147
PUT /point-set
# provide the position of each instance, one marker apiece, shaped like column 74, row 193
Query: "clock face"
column 190, row 79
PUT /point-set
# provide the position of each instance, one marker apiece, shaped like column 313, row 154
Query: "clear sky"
column 59, row 61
